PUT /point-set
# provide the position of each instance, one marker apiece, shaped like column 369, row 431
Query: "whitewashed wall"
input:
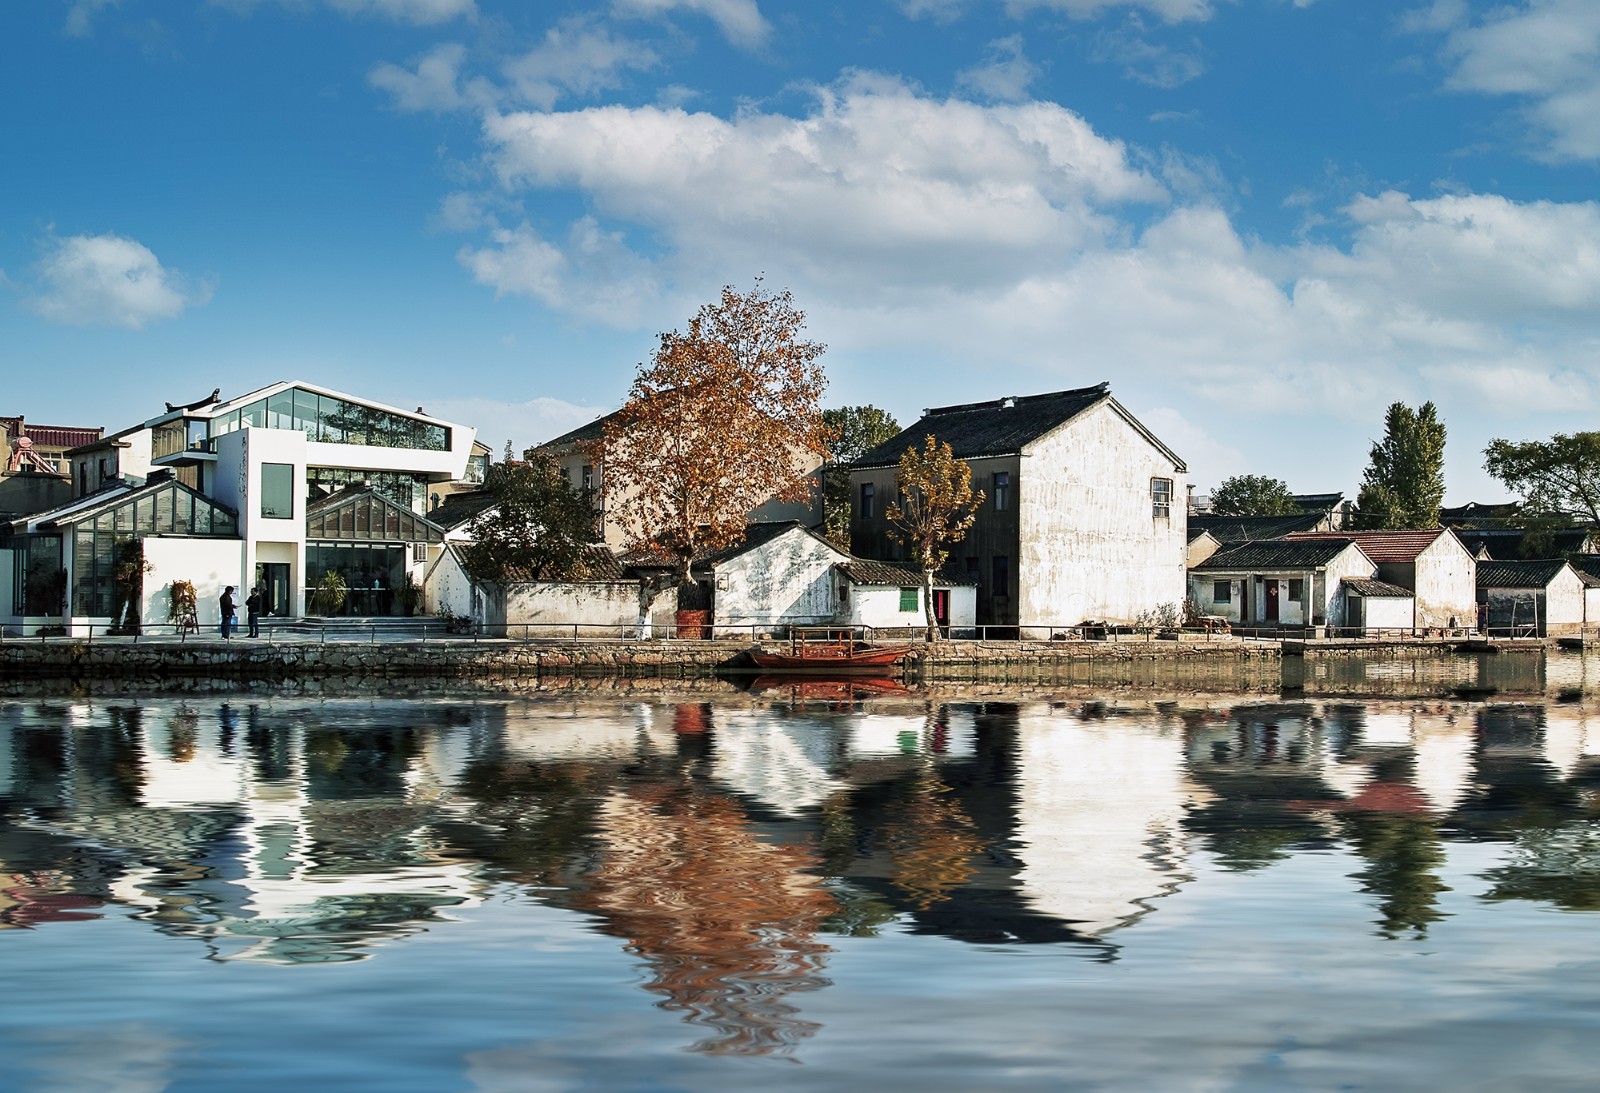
column 1446, row 584
column 1090, row 547
column 551, row 608
column 1349, row 564
column 446, row 588
column 879, row 606
column 1564, row 603
column 788, row 581
column 1390, row 612
column 1591, row 606
column 209, row 564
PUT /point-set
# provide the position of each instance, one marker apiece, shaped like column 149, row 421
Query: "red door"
column 941, row 605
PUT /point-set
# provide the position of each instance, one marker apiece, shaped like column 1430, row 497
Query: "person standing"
column 228, row 614
column 252, row 611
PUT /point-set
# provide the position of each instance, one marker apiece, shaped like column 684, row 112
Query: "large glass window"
column 155, row 511
column 38, row 577
column 372, row 573
column 410, row 490
column 335, row 421
column 277, row 491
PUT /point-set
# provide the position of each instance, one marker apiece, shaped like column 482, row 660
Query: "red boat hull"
column 860, row 661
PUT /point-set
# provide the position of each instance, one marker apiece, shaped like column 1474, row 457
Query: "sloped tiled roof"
column 1527, row 574
column 591, row 431
column 1585, row 563
column 1277, row 554
column 1371, row 588
column 1509, row 543
column 459, row 508
column 871, row 571
column 50, row 436
column 1254, row 529
column 758, row 535
column 1002, row 427
column 1382, row 546
column 1318, row 502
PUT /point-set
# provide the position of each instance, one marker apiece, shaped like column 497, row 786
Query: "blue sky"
column 1261, row 220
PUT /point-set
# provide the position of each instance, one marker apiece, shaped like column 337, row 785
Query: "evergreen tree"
column 1404, row 483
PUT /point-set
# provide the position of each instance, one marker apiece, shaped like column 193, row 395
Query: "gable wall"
column 1446, row 584
column 788, row 581
column 1090, row 547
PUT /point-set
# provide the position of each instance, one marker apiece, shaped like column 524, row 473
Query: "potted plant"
column 181, row 606
column 329, row 595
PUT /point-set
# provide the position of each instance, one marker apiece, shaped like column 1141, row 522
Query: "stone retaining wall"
column 156, row 660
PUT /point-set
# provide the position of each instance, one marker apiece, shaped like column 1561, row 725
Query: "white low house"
column 1432, row 563
column 890, row 597
column 1542, row 598
column 1371, row 607
column 1280, row 583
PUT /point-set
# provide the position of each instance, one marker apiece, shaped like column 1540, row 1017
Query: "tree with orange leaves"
column 935, row 508
column 718, row 423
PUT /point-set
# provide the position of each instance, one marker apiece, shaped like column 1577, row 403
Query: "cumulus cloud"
column 592, row 273
column 740, row 21
column 1005, row 73
column 577, row 57
column 1546, row 52
column 430, row 84
column 109, row 280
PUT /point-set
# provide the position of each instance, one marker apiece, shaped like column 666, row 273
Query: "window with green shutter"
column 908, row 599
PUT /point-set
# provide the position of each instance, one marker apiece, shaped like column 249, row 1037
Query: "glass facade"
column 410, row 490
column 371, row 571
column 368, row 517
column 334, row 421
column 165, row 509
column 38, row 577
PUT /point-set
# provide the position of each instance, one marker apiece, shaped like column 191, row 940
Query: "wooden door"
column 1271, row 596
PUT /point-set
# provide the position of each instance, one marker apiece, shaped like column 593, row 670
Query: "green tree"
column 1253, row 495
column 1404, row 482
column 538, row 529
column 936, row 507
column 856, row 430
column 1559, row 477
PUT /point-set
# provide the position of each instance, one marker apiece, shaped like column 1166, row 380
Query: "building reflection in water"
column 726, row 843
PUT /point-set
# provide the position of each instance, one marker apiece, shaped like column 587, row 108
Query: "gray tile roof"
column 1001, row 427
column 870, row 571
column 1376, row 588
column 1253, row 529
column 1529, row 574
column 459, row 508
column 1278, row 554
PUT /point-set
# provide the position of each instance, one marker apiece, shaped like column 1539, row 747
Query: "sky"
column 1262, row 221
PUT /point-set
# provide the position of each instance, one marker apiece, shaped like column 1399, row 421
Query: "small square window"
column 908, row 599
column 1297, row 590
column 419, row 553
column 1222, row 592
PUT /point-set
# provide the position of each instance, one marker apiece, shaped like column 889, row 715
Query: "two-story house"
column 1083, row 516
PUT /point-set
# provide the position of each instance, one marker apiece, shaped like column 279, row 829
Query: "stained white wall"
column 447, row 590
column 788, row 580
column 1390, row 612
column 879, row 606
column 551, row 608
column 1090, row 547
column 1446, row 584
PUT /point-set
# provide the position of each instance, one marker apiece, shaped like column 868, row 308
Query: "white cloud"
column 416, row 12
column 523, row 423
column 577, row 57
column 111, row 281
column 593, row 274
column 431, row 84
column 1146, row 61
column 81, row 13
column 1544, row 51
column 1005, row 73
column 1172, row 11
column 740, row 21
column 940, row 11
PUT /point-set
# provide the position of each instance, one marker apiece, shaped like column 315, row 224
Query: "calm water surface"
column 481, row 893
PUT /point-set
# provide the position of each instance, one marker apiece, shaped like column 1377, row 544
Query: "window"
column 277, row 491
column 1297, row 590
column 972, row 564
column 419, row 553
column 588, row 476
column 908, row 599
column 334, row 421
column 1221, row 592
column 477, row 469
column 1002, row 491
column 866, row 500
column 1000, row 569
column 1160, row 498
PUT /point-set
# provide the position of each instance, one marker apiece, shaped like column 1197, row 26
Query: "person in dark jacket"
column 252, row 611
column 228, row 613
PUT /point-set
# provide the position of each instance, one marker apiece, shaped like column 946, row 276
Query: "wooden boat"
column 830, row 651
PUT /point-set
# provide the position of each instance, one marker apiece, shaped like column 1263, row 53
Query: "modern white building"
column 274, row 488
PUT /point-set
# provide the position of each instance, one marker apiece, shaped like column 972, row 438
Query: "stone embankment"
column 63, row 658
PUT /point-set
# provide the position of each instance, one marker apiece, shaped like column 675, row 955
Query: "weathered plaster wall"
column 1390, row 612
column 447, row 590
column 877, row 606
column 1090, row 547
column 1350, row 564
column 787, row 581
column 1446, row 584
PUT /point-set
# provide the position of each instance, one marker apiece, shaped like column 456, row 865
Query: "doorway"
column 941, row 606
column 1270, row 597
column 273, row 580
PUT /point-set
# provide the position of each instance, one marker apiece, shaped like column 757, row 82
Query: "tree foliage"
column 1555, row 477
column 1253, row 495
column 1404, row 482
column 721, row 421
column 538, row 529
column 854, row 431
column 936, row 507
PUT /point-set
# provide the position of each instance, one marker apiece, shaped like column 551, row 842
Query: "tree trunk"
column 927, row 603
